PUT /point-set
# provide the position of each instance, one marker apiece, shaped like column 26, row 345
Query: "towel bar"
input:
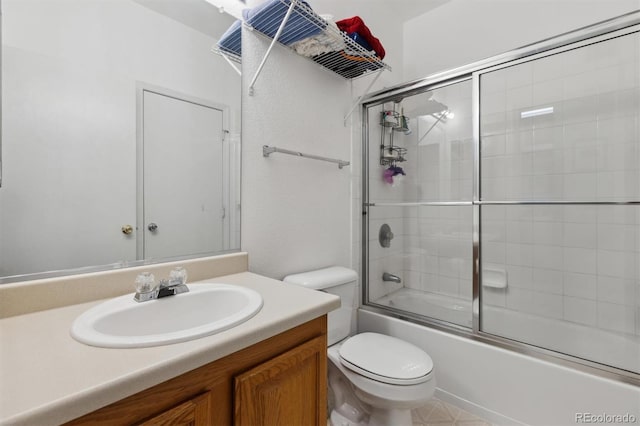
column 268, row 150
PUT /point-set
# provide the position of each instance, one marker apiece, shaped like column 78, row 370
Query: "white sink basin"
column 206, row 309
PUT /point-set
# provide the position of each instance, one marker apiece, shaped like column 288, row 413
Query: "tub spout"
column 390, row 277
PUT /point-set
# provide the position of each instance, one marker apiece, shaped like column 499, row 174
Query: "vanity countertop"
column 46, row 377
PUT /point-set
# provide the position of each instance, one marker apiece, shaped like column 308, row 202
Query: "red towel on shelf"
column 356, row 25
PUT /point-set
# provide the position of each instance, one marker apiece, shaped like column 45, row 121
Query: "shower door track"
column 609, row 29
column 503, row 203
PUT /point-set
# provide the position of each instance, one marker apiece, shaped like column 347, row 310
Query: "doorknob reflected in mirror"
column 127, row 229
column 153, row 227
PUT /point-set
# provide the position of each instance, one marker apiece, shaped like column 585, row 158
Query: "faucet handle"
column 178, row 276
column 145, row 282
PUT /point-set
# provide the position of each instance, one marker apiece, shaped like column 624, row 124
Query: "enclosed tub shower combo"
column 501, row 200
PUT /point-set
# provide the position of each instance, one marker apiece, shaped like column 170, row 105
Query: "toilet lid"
column 386, row 359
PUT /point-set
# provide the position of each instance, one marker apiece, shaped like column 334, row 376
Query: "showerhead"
column 430, row 107
column 400, row 97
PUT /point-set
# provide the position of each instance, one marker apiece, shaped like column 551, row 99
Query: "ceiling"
column 197, row 14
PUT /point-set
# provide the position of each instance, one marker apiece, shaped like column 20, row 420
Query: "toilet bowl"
column 389, row 389
column 374, row 379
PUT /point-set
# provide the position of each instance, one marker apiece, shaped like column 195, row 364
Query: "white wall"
column 69, row 122
column 464, row 31
column 295, row 211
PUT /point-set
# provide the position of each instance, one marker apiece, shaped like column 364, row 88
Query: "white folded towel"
column 325, row 42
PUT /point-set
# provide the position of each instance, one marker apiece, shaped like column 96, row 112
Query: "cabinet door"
column 290, row 389
column 195, row 412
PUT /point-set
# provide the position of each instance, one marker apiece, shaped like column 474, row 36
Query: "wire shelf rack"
column 292, row 22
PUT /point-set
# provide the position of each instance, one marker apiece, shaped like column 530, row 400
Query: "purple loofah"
column 388, row 175
column 397, row 170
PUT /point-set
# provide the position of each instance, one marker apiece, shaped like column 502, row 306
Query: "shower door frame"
column 609, row 29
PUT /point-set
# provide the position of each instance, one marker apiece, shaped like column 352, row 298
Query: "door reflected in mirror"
column 120, row 135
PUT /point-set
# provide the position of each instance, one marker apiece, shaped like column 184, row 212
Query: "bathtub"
column 608, row 347
column 507, row 387
column 620, row 350
column 446, row 308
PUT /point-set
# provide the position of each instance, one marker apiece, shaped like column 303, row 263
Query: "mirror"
column 120, row 135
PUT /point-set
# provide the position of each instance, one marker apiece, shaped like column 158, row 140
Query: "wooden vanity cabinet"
column 196, row 411
column 279, row 381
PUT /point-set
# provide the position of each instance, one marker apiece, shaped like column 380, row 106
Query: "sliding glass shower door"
column 504, row 203
column 560, row 185
column 420, row 210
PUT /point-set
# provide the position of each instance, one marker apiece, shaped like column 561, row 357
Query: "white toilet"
column 374, row 379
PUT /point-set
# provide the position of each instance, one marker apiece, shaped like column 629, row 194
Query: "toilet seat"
column 386, row 359
column 383, row 395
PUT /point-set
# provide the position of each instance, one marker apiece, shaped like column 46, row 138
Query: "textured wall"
column 295, row 211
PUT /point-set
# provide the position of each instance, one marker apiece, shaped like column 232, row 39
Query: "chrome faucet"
column 146, row 288
column 390, row 277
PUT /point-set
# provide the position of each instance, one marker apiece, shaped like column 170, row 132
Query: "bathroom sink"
column 206, row 309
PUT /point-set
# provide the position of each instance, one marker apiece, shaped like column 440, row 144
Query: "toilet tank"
column 341, row 282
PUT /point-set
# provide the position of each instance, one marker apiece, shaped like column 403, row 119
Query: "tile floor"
column 439, row 413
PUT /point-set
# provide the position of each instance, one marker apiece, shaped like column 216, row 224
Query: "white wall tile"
column 448, row 285
column 519, row 254
column 548, row 233
column 579, row 235
column 581, row 160
column 520, row 232
column 519, row 142
column 582, row 311
column 586, row 214
column 519, row 97
column 516, row 77
column 547, row 257
column 618, row 185
column 615, row 317
column 618, row 214
column 580, row 186
column 618, row 237
column 519, row 276
column 548, row 187
column 618, row 290
column 618, row 264
column 580, row 260
column 581, row 85
column 618, row 156
column 548, row 92
column 548, row 281
column 580, row 285
column 493, row 145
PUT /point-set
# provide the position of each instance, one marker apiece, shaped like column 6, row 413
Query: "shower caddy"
column 394, row 121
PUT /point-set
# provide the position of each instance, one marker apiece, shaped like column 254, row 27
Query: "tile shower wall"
column 440, row 254
column 576, row 263
column 579, row 263
column 586, row 149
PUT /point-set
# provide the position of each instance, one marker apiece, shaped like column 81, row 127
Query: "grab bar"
column 268, row 150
